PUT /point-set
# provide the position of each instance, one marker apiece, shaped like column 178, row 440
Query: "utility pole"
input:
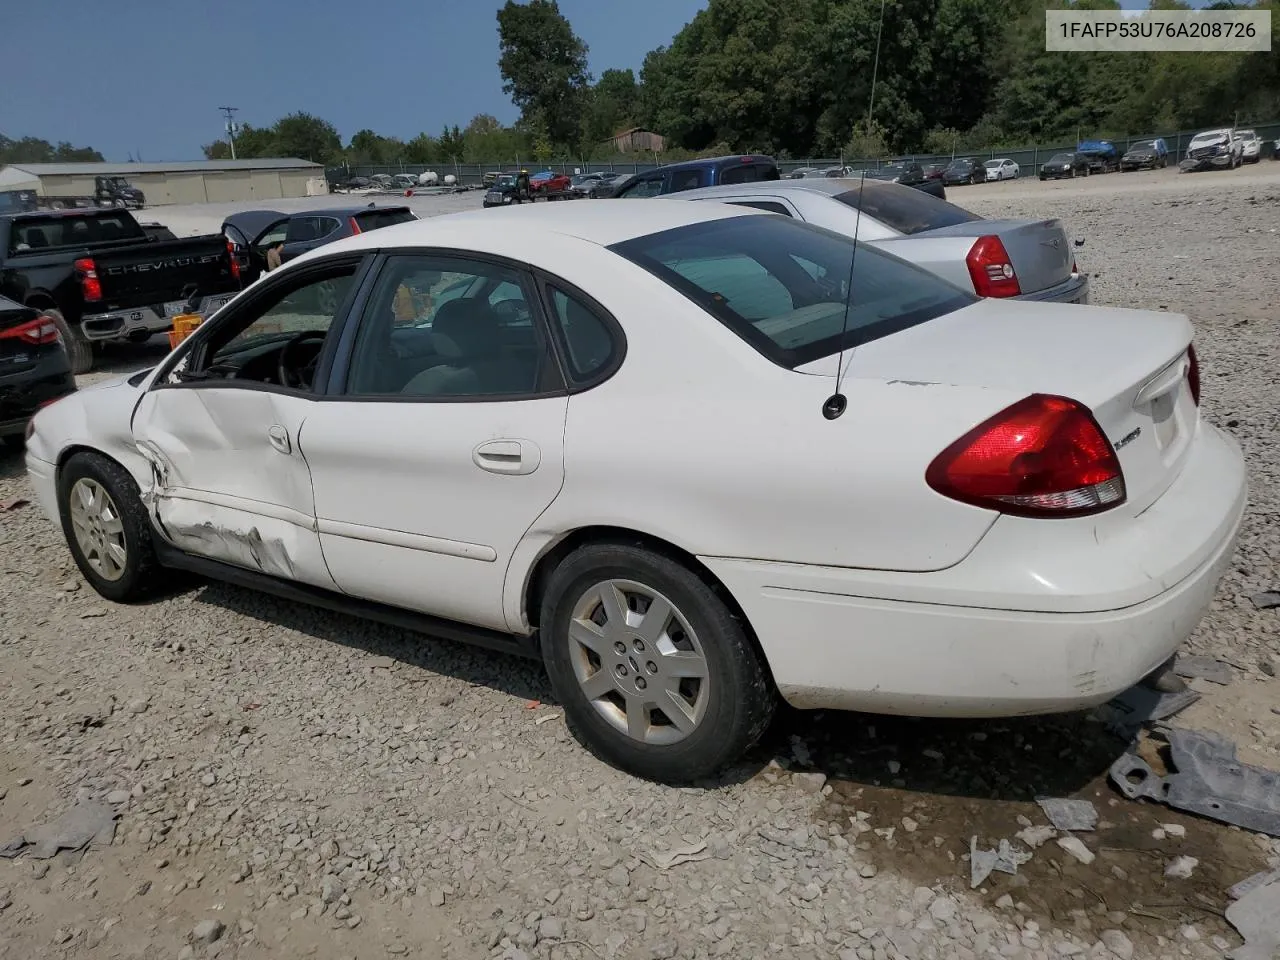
column 229, row 113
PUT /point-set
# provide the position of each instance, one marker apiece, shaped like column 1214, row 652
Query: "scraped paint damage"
column 243, row 548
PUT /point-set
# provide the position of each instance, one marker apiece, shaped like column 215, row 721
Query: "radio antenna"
column 837, row 403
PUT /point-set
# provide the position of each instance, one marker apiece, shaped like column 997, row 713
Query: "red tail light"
column 234, row 257
column 90, row 285
column 37, row 332
column 1193, row 374
column 991, row 269
column 355, row 227
column 1074, row 269
column 1044, row 456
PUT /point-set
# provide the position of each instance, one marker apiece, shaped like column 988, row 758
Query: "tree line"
column 35, row 150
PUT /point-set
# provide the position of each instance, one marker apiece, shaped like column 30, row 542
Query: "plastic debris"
column 86, row 823
column 1127, row 713
column 547, row 718
column 1256, row 917
column 674, row 857
column 1204, row 668
column 1005, row 858
column 1206, row 779
column 1077, row 849
column 1250, row 884
column 1068, row 814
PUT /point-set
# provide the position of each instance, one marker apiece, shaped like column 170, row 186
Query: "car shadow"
column 1006, row 760
column 507, row 673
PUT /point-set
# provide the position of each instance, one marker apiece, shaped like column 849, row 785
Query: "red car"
column 549, row 182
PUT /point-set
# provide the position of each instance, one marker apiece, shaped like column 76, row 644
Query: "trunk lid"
column 16, row 355
column 1039, row 250
column 1128, row 366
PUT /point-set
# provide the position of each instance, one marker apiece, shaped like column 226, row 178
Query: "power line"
column 229, row 113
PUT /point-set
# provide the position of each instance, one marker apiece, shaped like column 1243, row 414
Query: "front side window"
column 438, row 327
column 784, row 286
column 277, row 338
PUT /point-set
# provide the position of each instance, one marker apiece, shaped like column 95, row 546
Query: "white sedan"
column 660, row 447
column 1002, row 169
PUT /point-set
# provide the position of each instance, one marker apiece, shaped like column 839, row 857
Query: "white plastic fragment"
column 1077, row 849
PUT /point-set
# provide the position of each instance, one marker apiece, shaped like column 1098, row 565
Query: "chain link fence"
column 1028, row 158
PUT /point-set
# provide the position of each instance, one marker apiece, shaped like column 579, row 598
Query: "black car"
column 964, row 170
column 1064, row 165
column 252, row 233
column 909, row 174
column 34, row 368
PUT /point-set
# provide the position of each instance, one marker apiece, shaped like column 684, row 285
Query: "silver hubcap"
column 98, row 528
column 639, row 662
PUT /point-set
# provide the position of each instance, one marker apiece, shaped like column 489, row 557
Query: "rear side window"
column 590, row 346
column 746, row 173
column 37, row 233
column 783, row 286
column 303, row 229
column 376, row 219
column 904, row 209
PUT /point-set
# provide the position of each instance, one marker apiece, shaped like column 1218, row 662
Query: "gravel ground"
column 295, row 783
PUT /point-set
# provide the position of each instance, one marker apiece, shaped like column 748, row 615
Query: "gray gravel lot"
column 296, row 783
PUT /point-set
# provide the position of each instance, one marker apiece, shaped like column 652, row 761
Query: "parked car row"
column 513, row 449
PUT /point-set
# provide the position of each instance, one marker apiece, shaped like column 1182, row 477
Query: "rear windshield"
column 382, row 218
column 904, row 209
column 37, row 233
column 783, row 285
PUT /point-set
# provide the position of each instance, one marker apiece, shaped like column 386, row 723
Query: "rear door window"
column 784, row 286
column 303, row 229
column 650, row 187
column 685, row 180
column 904, row 209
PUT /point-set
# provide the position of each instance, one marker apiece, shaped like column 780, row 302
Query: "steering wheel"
column 287, row 375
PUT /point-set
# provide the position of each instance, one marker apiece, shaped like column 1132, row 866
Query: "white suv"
column 1250, row 146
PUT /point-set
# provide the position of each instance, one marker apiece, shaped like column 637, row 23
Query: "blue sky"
column 147, row 76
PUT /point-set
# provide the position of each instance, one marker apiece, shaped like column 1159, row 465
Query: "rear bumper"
column 21, row 395
column 1075, row 289
column 123, row 324
column 1042, row 617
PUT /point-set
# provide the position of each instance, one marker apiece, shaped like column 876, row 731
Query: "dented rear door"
column 229, row 481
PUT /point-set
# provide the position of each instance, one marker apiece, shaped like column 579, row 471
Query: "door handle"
column 279, row 438
column 513, row 457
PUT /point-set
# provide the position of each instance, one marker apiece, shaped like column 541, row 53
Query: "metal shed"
column 197, row 181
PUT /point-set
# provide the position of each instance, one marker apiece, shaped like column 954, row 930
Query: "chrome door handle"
column 513, row 457
column 279, row 438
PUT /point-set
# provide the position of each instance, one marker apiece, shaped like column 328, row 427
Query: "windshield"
column 505, row 180
column 1143, row 145
column 992, row 164
column 1216, row 136
column 1062, row 158
column 964, row 162
column 896, row 169
column 1248, row 135
column 783, row 286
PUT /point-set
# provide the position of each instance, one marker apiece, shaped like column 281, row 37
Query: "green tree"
column 35, row 150
column 543, row 65
column 307, row 137
column 611, row 105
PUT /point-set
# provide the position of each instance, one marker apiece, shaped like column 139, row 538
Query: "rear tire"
column 79, row 350
column 107, row 528
column 673, row 699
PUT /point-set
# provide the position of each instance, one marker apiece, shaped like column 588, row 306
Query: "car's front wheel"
column 656, row 674
column 107, row 528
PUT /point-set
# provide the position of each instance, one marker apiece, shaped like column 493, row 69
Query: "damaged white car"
column 692, row 456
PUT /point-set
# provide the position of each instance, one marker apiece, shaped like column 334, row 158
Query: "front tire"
column 656, row 674
column 107, row 528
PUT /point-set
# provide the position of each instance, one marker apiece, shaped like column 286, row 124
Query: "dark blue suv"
column 699, row 173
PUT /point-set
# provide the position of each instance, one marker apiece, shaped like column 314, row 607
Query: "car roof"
column 708, row 161
column 68, row 212
column 597, row 221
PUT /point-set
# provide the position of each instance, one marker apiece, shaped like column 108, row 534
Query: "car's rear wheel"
column 79, row 350
column 107, row 528
column 656, row 674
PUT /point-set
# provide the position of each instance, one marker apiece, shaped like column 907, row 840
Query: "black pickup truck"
column 101, row 276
